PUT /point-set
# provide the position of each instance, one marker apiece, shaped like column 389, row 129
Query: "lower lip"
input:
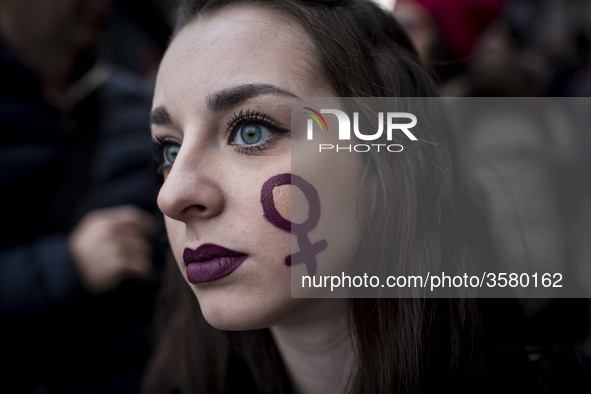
column 214, row 269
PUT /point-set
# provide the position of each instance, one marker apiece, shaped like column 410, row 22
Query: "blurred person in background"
column 78, row 272
column 520, row 152
column 135, row 37
column 446, row 31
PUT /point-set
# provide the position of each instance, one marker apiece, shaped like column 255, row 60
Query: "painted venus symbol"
column 308, row 250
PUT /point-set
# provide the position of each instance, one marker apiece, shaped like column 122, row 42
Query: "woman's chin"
column 235, row 321
column 235, row 314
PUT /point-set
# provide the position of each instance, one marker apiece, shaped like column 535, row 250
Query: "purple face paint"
column 308, row 251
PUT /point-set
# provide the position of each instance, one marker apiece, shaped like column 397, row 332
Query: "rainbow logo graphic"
column 315, row 115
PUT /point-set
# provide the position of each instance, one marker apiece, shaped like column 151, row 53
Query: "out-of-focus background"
column 547, row 42
column 531, row 159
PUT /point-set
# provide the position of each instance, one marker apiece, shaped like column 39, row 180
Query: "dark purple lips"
column 211, row 262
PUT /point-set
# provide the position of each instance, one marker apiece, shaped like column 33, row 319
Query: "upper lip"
column 207, row 252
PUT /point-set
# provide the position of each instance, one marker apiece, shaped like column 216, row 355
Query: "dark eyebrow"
column 230, row 97
column 160, row 116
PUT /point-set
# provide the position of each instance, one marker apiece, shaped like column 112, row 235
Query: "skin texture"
column 212, row 192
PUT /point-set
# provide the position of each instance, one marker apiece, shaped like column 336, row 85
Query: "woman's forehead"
column 237, row 46
column 238, row 39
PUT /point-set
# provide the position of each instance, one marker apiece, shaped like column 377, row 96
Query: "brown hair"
column 403, row 344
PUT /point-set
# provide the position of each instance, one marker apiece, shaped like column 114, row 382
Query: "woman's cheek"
column 174, row 229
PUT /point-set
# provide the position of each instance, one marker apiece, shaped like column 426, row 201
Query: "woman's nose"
column 190, row 191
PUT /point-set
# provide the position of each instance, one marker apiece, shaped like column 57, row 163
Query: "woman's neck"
column 318, row 353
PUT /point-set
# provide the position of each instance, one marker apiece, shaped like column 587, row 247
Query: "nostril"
column 199, row 210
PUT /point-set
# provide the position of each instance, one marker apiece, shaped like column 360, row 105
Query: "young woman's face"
column 222, row 112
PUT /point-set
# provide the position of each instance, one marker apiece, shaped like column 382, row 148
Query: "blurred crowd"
column 503, row 47
column 529, row 154
column 80, row 252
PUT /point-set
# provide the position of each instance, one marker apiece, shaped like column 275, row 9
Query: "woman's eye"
column 165, row 151
column 169, row 153
column 251, row 134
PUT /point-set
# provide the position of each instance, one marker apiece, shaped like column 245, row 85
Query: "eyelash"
column 253, row 117
column 234, row 124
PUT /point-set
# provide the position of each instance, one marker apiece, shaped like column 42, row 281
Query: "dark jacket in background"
column 54, row 168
